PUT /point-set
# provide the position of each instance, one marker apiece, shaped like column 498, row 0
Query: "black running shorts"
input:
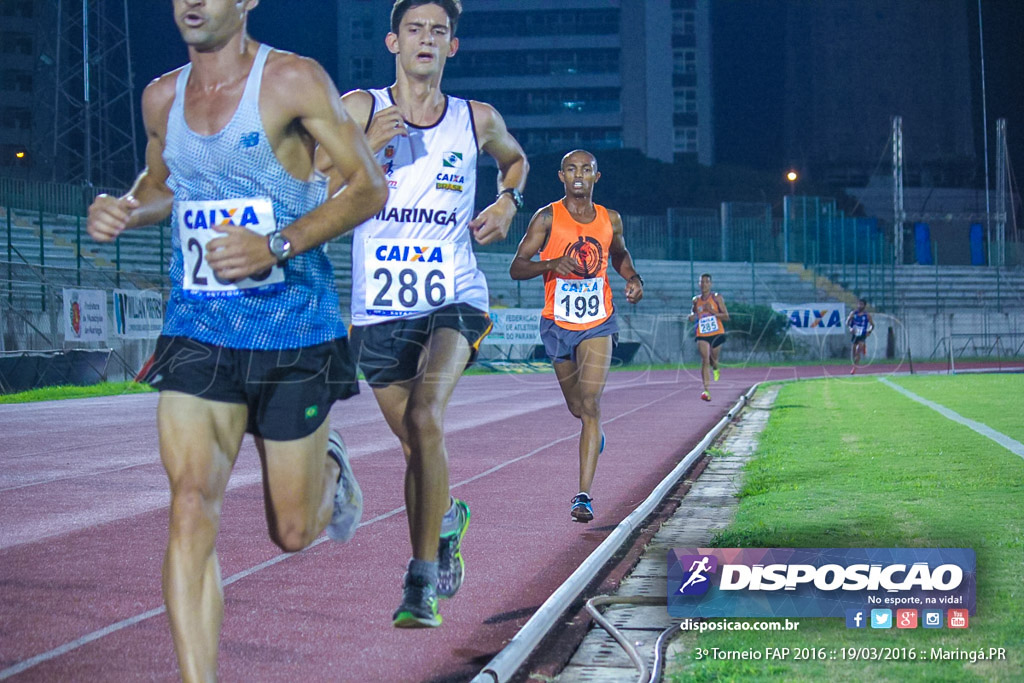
column 389, row 352
column 288, row 392
column 715, row 341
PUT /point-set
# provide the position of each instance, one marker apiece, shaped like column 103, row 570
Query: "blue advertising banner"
column 817, row 582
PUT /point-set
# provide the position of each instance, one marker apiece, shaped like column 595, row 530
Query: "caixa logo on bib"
column 816, row 582
column 201, row 219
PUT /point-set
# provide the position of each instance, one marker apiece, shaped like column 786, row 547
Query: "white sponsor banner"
column 138, row 314
column 514, row 326
column 85, row 315
column 814, row 319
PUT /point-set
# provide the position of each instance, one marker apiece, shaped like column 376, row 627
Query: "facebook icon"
column 855, row 618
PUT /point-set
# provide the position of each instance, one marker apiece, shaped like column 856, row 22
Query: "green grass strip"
column 852, row 463
column 995, row 400
column 63, row 392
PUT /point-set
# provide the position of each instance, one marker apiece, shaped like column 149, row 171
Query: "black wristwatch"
column 636, row 276
column 279, row 245
column 517, row 197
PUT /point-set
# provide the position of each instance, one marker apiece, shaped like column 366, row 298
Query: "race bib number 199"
column 406, row 276
column 579, row 301
column 195, row 229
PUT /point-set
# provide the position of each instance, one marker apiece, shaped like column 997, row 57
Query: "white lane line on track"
column 131, row 621
column 1010, row 444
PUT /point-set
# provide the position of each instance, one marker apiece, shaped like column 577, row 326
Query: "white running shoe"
column 348, row 498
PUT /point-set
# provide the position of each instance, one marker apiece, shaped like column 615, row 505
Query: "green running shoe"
column 451, row 568
column 419, row 605
column 715, row 373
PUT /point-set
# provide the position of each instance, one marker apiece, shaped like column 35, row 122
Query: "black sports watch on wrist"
column 279, row 245
column 636, row 276
column 517, row 197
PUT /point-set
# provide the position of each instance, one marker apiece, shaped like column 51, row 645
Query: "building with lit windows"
column 17, row 85
column 599, row 74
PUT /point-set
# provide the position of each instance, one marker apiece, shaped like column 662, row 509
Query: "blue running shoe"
column 451, row 568
column 582, row 508
column 348, row 497
column 602, row 443
column 419, row 605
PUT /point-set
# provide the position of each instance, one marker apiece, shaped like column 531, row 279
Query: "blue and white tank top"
column 859, row 323
column 233, row 176
column 416, row 254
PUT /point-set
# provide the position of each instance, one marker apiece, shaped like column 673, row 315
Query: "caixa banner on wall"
column 814, row 319
column 816, row 582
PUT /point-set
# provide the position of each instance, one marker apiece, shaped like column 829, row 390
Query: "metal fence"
column 44, row 240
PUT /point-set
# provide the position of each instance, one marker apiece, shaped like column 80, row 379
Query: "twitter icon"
column 881, row 618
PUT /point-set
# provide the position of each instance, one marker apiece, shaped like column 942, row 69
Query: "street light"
column 787, row 209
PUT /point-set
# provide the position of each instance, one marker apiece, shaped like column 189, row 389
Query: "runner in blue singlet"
column 253, row 339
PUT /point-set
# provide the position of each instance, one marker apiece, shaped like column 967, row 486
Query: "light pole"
column 787, row 209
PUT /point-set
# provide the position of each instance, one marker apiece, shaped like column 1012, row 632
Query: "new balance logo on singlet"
column 415, row 215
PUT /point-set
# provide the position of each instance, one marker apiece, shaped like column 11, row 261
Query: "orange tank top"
column 584, row 299
column 706, row 324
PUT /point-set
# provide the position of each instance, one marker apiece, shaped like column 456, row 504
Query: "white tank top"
column 416, row 254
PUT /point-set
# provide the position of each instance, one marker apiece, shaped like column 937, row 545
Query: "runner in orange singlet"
column 708, row 314
column 576, row 240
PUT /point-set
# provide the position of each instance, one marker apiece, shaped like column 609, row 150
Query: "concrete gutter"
column 505, row 664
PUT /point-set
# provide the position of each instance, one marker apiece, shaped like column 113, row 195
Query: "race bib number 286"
column 196, row 221
column 407, row 275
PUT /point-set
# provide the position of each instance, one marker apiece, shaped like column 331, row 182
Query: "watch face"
column 280, row 246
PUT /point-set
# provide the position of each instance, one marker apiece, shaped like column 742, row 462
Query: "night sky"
column 748, row 66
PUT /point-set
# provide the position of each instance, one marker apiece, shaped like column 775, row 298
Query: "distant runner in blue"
column 860, row 325
column 253, row 338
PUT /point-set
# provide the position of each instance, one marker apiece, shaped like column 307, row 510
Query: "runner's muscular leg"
column 705, row 361
column 426, row 476
column 298, row 487
column 594, row 357
column 568, row 375
column 199, row 441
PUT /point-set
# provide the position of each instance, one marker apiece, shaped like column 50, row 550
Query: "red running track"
column 83, row 499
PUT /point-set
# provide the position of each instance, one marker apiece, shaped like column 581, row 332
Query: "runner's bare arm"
column 381, row 126
column 491, row 224
column 150, row 200
column 622, row 261
column 384, row 126
column 723, row 313
column 361, row 187
column 693, row 310
column 523, row 267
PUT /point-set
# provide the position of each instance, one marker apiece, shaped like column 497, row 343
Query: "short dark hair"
column 453, row 8
column 707, row 275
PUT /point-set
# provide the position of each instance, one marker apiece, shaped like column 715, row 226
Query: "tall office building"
column 600, row 74
column 18, row 59
column 851, row 66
